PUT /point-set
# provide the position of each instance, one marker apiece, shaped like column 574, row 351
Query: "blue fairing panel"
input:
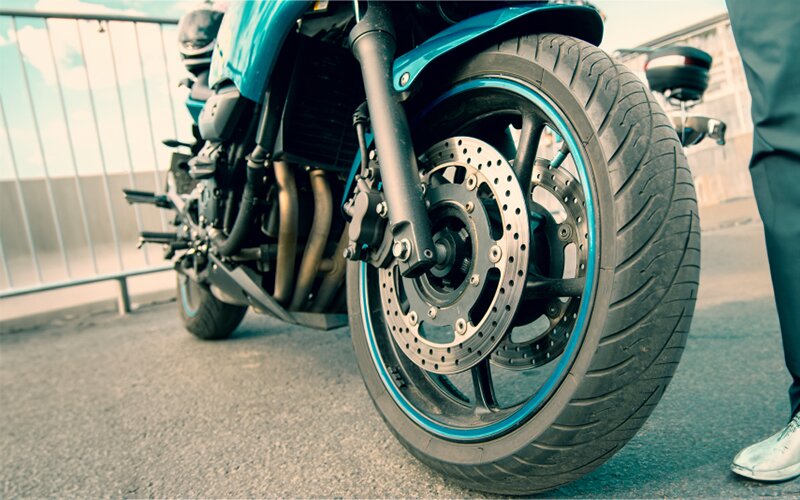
column 579, row 21
column 195, row 107
column 249, row 41
column 252, row 34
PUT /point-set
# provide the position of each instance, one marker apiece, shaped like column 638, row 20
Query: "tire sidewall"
column 428, row 446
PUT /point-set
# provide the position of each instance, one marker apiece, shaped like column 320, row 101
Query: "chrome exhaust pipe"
column 287, row 232
column 317, row 239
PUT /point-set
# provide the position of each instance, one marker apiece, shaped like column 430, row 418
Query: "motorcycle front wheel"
column 546, row 336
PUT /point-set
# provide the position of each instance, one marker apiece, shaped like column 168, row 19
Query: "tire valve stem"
column 561, row 155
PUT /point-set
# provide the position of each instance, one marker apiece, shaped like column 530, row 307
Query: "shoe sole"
column 784, row 474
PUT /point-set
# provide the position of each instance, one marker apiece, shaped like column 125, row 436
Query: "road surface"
column 136, row 407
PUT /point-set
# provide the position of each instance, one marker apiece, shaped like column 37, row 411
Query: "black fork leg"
column 373, row 44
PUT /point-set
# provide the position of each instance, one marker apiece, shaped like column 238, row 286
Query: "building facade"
column 720, row 172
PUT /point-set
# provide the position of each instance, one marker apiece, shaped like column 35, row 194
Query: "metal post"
column 123, row 299
column 93, row 106
column 48, row 185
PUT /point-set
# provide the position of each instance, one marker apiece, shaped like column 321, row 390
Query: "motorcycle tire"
column 636, row 309
column 205, row 316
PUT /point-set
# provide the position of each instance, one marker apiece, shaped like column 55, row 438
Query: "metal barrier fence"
column 84, row 101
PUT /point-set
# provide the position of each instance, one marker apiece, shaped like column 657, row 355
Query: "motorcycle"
column 517, row 245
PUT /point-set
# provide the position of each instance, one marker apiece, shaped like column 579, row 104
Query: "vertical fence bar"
column 48, row 185
column 4, row 260
column 131, row 174
column 70, row 144
column 83, row 196
column 153, row 139
column 93, row 106
column 123, row 297
column 169, row 81
column 26, row 220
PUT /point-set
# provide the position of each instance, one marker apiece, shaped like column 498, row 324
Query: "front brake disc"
column 452, row 317
column 524, row 349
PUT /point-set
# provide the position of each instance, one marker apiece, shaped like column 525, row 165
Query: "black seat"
column 678, row 72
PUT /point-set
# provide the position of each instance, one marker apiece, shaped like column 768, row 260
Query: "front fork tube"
column 373, row 44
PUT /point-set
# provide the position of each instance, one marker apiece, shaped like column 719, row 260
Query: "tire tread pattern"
column 655, row 281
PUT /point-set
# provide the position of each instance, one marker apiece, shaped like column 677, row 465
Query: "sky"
column 127, row 112
column 628, row 22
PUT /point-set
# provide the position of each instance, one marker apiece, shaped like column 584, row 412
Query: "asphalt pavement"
column 136, row 407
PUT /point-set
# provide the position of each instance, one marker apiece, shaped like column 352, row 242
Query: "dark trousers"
column 767, row 34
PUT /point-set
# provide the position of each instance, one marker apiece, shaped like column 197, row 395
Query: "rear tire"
column 648, row 254
column 205, row 316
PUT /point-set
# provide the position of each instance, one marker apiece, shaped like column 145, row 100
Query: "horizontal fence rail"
column 85, row 101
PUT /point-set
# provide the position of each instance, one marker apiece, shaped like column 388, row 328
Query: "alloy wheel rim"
column 385, row 355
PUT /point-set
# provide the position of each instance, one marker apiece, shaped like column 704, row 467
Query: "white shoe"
column 777, row 458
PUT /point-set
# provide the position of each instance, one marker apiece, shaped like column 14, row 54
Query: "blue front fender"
column 578, row 21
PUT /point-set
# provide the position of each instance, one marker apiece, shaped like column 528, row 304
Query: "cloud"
column 76, row 44
column 33, row 42
column 78, row 7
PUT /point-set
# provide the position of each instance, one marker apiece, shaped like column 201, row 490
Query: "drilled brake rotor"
column 530, row 349
column 450, row 318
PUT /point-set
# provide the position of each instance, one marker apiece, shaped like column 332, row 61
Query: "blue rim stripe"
column 544, row 392
column 185, row 299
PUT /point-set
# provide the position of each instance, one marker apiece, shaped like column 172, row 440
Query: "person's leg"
column 768, row 37
column 776, row 182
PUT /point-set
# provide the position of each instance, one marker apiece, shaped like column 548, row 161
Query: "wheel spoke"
column 540, row 287
column 529, row 136
column 484, row 389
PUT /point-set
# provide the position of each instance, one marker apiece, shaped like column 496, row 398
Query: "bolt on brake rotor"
column 452, row 317
column 523, row 349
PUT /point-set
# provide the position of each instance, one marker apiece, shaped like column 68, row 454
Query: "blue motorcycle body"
column 252, row 34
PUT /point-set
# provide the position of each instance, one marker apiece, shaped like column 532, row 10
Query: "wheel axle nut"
column 402, row 249
column 382, row 210
column 553, row 309
column 461, row 326
column 495, row 253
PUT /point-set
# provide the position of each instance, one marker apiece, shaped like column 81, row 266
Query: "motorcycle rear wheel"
column 203, row 315
column 631, row 320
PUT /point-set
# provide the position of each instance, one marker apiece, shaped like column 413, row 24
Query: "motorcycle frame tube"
column 373, row 44
column 576, row 338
